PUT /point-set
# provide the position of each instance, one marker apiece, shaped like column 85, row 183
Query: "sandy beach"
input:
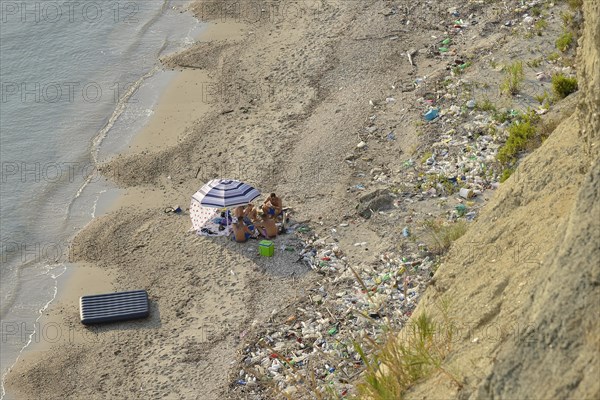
column 253, row 101
column 318, row 104
column 226, row 290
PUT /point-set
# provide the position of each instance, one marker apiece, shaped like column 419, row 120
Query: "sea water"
column 72, row 74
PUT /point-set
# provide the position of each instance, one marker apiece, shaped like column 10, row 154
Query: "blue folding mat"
column 110, row 307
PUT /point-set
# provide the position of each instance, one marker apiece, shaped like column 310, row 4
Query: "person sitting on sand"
column 238, row 212
column 250, row 213
column 267, row 227
column 241, row 233
column 272, row 205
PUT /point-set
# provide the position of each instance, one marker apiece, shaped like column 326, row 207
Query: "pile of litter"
column 313, row 343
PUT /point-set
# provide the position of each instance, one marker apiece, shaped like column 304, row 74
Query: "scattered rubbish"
column 431, row 114
column 175, row 210
column 464, row 65
column 316, row 335
column 543, row 77
column 466, row 193
column 461, row 209
column 410, row 53
column 471, row 215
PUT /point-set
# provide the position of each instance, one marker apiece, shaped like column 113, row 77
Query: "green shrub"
column 575, row 4
column 563, row 85
column 485, row 105
column 564, row 41
column 553, row 57
column 520, row 133
column 539, row 26
column 535, row 63
column 514, row 78
column 404, row 359
column 567, row 19
column 440, row 236
column 426, row 157
column 527, row 133
column 542, row 98
column 506, row 173
column 503, row 115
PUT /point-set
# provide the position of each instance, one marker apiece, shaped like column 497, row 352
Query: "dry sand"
column 289, row 100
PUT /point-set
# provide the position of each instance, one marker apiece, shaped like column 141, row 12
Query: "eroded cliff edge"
column 523, row 283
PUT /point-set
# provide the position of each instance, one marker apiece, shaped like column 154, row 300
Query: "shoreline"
column 181, row 104
column 50, row 327
column 175, row 106
column 184, row 100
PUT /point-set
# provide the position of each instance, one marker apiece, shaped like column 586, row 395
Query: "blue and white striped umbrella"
column 225, row 193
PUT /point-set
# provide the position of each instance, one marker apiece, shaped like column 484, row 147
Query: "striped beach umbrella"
column 215, row 195
column 225, row 193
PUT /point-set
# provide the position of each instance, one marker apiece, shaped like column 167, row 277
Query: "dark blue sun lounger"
column 110, row 307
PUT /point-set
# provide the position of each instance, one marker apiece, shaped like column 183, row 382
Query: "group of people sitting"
column 248, row 224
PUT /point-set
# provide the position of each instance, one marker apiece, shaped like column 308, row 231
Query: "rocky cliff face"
column 524, row 282
column 589, row 78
